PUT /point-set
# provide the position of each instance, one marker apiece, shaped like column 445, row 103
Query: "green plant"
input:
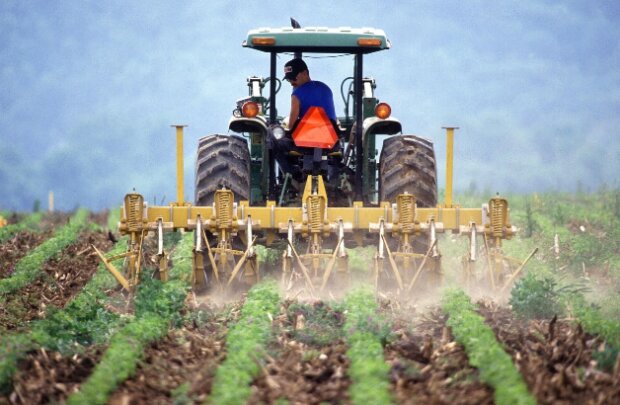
column 606, row 359
column 484, row 351
column 322, row 323
column 29, row 222
column 245, row 345
column 592, row 319
column 536, row 297
column 180, row 395
column 12, row 349
column 366, row 332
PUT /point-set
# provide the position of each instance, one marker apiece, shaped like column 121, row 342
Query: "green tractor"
column 407, row 162
column 344, row 198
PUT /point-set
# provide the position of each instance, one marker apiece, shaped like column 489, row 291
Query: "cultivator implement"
column 316, row 236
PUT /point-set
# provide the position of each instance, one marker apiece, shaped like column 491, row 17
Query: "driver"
column 306, row 92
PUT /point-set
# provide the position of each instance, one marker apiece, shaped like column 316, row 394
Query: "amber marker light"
column 383, row 110
column 262, row 41
column 369, row 42
column 250, row 109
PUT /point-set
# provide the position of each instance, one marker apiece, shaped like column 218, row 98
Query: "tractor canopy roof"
column 318, row 39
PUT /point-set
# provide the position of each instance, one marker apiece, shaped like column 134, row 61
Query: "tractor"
column 345, row 197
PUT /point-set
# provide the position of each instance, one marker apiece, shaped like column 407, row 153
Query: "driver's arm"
column 295, row 107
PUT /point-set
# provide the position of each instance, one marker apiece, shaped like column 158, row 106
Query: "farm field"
column 68, row 333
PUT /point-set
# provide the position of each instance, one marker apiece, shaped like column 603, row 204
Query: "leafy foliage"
column 245, row 345
column 536, row 297
column 366, row 333
column 484, row 351
column 593, row 321
column 12, row 349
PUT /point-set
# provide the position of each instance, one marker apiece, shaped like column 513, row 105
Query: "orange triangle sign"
column 315, row 130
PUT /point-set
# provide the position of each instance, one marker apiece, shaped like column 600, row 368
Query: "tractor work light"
column 250, row 109
column 263, row 41
column 383, row 110
column 278, row 132
column 369, row 42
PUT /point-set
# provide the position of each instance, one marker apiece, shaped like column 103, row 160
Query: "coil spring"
column 314, row 213
column 223, row 209
column 498, row 210
column 133, row 212
column 407, row 212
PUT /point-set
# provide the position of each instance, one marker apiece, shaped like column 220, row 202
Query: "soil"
column 555, row 358
column 306, row 363
column 188, row 355
column 14, row 249
column 62, row 278
column 429, row 367
column 304, row 373
column 48, row 377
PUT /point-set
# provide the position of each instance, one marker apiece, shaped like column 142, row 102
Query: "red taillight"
column 250, row 109
column 383, row 110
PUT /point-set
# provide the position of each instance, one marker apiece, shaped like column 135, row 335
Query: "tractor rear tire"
column 407, row 164
column 222, row 161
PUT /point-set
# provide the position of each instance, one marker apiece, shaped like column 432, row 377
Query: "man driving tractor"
column 307, row 94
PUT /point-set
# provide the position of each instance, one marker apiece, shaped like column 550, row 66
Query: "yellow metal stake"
column 449, row 164
column 180, row 180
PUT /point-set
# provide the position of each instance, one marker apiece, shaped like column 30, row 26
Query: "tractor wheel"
column 408, row 164
column 222, row 160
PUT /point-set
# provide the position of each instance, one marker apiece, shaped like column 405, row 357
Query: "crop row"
column 28, row 268
column 83, row 321
column 245, row 345
column 484, row 351
column 366, row 335
column 157, row 307
column 29, row 222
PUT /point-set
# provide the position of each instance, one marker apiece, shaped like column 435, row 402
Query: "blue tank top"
column 315, row 94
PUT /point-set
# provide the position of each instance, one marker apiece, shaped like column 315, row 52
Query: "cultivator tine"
column 331, row 263
column 112, row 269
column 303, row 267
column 490, row 267
column 240, row 263
column 421, row 266
column 516, row 273
column 216, row 272
column 393, row 265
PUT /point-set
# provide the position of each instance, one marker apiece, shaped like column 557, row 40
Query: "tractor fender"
column 375, row 125
column 243, row 124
